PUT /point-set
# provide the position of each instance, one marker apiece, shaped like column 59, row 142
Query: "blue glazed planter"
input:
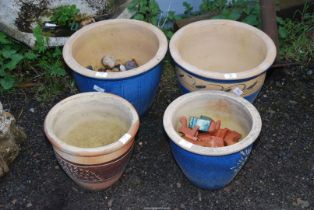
column 120, row 39
column 220, row 170
column 138, row 90
column 222, row 55
column 212, row 167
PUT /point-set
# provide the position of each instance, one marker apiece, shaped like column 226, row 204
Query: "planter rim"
column 262, row 67
column 96, row 151
column 75, row 66
column 212, row 151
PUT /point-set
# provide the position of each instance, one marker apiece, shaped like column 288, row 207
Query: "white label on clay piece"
column 98, row 89
column 230, row 76
column 185, row 144
column 125, row 138
column 237, row 91
column 101, row 74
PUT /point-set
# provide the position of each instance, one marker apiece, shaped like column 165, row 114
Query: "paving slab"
column 18, row 18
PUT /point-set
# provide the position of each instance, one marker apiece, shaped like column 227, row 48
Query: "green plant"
column 188, row 8
column 11, row 58
column 251, row 14
column 50, row 59
column 231, row 14
column 52, row 87
column 146, row 10
column 239, row 10
column 43, row 67
column 212, row 6
column 41, row 40
column 149, row 11
column 168, row 26
column 52, row 65
column 65, row 15
column 294, row 39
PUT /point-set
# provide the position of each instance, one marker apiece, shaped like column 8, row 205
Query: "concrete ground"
column 279, row 174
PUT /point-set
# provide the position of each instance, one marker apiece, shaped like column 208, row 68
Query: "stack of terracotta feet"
column 206, row 132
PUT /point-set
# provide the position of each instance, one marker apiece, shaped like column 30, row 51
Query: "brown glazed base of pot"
column 96, row 177
column 99, row 186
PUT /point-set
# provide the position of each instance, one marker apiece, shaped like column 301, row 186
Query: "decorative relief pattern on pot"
column 192, row 83
column 80, row 173
column 244, row 156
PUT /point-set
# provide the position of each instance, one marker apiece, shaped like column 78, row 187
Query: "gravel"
column 278, row 175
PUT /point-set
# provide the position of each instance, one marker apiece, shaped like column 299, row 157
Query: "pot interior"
column 92, row 122
column 124, row 41
column 225, row 48
column 231, row 113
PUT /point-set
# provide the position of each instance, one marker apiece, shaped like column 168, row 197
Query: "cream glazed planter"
column 92, row 168
column 222, row 55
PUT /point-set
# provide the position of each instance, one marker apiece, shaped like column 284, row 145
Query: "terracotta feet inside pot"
column 213, row 136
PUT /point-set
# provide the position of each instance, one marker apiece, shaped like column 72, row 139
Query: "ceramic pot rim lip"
column 212, row 151
column 75, row 66
column 97, row 151
column 262, row 67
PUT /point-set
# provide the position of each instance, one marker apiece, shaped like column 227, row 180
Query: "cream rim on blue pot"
column 125, row 40
column 222, row 55
column 209, row 167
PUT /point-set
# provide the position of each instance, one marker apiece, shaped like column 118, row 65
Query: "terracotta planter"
column 212, row 167
column 222, row 55
column 92, row 168
column 124, row 39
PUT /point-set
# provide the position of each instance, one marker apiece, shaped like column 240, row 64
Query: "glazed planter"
column 222, row 55
column 212, row 167
column 99, row 167
column 124, row 39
